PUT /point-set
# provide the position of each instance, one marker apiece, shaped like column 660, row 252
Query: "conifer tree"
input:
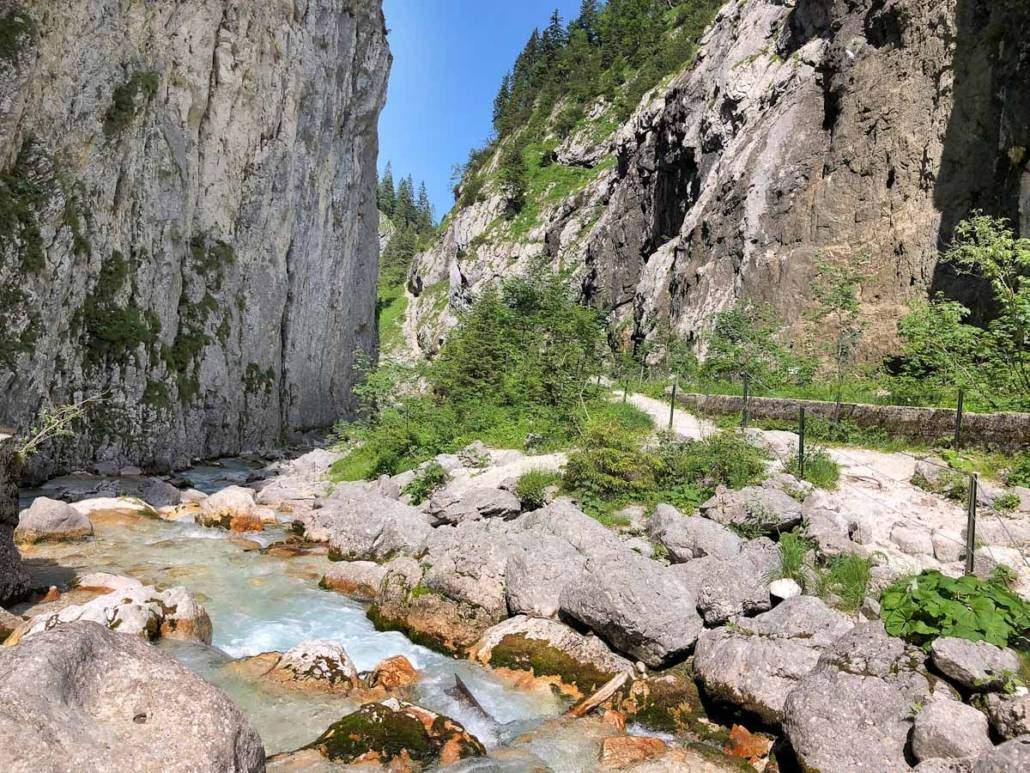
column 387, row 197
column 405, row 209
column 425, row 210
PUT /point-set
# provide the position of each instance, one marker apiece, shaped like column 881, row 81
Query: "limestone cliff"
column 188, row 223
column 805, row 129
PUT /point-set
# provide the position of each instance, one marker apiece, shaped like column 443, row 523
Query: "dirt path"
column 879, row 508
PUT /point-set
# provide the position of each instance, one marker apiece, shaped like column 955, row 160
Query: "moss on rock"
column 377, row 732
column 519, row 653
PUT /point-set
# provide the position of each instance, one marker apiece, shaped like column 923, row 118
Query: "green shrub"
column 611, row 468
column 795, row 553
column 1018, row 473
column 846, row 577
column 820, row 468
column 517, row 366
column 531, row 487
column 721, row 459
column 124, row 101
column 919, row 609
column 1006, row 502
column 429, row 480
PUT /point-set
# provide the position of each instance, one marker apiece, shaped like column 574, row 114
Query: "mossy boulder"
column 577, row 665
column 428, row 617
column 396, row 732
column 668, row 702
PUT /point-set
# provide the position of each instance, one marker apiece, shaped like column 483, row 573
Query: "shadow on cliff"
column 982, row 160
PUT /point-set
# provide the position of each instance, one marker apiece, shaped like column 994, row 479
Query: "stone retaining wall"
column 995, row 430
column 13, row 579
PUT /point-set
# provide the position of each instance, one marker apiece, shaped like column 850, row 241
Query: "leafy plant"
column 1018, row 474
column 53, row 422
column 921, row 608
column 429, row 480
column 531, row 487
column 940, row 343
column 820, row 468
column 1007, row 502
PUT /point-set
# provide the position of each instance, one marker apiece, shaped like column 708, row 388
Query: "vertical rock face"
column 806, row 130
column 14, row 582
column 188, row 224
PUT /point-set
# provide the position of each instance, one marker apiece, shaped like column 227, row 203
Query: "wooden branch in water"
column 609, row 689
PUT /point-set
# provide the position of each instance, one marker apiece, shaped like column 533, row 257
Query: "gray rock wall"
column 858, row 130
column 188, row 223
column 13, row 579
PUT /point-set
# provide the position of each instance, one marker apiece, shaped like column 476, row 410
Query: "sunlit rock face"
column 189, row 226
column 804, row 132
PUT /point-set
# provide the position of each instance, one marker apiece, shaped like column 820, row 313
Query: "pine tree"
column 588, row 21
column 424, row 208
column 387, row 197
column 502, row 105
column 406, row 202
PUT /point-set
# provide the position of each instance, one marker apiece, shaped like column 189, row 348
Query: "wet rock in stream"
column 80, row 697
column 397, row 732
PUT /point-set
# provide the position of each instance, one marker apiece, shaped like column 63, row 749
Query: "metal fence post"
column 801, row 442
column 958, row 417
column 747, row 397
column 974, row 484
column 672, row 401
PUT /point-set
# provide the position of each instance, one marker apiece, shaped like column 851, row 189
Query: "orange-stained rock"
column 747, row 745
column 53, row 594
column 246, row 523
column 615, row 719
column 624, row 750
column 393, row 674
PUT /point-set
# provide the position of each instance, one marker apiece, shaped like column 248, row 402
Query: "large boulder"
column 468, row 562
column 974, row 665
column 688, row 538
column 114, row 508
column 635, row 604
column 424, row 615
column 536, row 575
column 854, row 710
column 473, row 504
column 1010, row 757
column 725, row 588
column 361, row 525
column 234, row 508
column 80, row 697
column 140, row 611
column 754, row 510
column 949, row 729
column 756, row 663
column 561, row 518
column 1009, row 714
column 358, row 579
column 311, row 666
column 396, row 733
column 48, row 520
column 551, row 651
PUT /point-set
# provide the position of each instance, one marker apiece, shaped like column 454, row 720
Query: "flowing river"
column 260, row 603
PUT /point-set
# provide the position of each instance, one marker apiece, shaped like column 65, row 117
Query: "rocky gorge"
column 804, row 131
column 187, row 207
column 532, row 638
column 500, row 557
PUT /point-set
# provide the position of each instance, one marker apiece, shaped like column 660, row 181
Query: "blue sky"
column 449, row 58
